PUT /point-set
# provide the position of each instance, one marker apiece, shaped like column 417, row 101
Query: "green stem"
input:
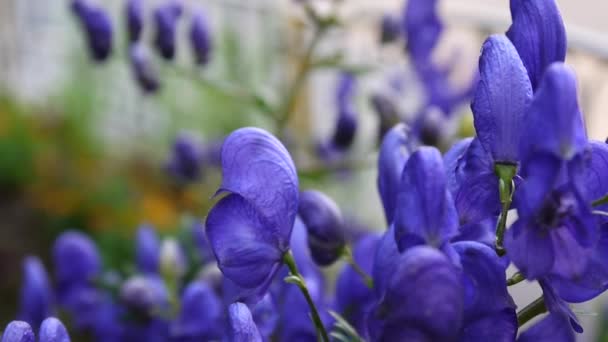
column 505, row 173
column 533, row 309
column 600, row 201
column 348, row 255
column 296, row 278
column 515, row 279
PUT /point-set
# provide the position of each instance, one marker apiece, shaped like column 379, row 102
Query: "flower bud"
column 143, row 70
column 18, row 331
column 97, row 25
column 35, row 301
column 166, row 17
column 135, row 19
column 200, row 38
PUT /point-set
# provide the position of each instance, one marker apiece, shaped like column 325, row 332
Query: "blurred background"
column 84, row 146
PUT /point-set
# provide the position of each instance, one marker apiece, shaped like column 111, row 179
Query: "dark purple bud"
column 98, row 27
column 185, row 161
column 135, row 19
column 346, row 126
column 52, row 330
column 166, row 17
column 323, row 221
column 390, row 28
column 200, row 38
column 76, row 259
column 35, row 301
column 143, row 70
column 18, row 331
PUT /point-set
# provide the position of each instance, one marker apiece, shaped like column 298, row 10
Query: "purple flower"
column 143, row 70
column 422, row 28
column 76, row 260
column 501, row 99
column 200, row 38
column 147, row 250
column 18, row 331
column 35, row 297
column 97, row 26
column 346, row 126
column 52, row 330
column 200, row 318
column 553, row 327
column 135, row 18
column 241, row 326
column 201, row 244
column 249, row 229
column 390, row 28
column 265, row 316
column 554, row 215
column 394, row 152
column 185, row 161
column 425, row 212
column 166, row 17
column 324, row 224
column 144, row 294
column 539, row 35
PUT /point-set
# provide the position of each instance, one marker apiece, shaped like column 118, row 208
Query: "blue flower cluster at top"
column 97, row 25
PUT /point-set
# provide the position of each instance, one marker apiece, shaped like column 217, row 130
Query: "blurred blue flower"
column 241, row 327
column 52, row 330
column 186, row 159
column 76, row 261
column 18, row 331
column 145, row 295
column 36, row 296
column 200, row 318
column 200, row 37
column 323, row 221
column 249, row 229
column 142, row 68
column 135, row 19
column 166, row 17
column 147, row 250
column 97, row 25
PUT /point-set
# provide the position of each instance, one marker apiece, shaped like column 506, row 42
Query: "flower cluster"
column 51, row 330
column 96, row 23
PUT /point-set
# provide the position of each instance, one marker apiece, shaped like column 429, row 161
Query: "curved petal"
column 35, row 297
column 246, row 251
column 52, row 330
column 556, row 305
column 483, row 232
column 596, row 178
column 503, row 93
column 541, row 175
column 554, row 123
column 426, row 212
column 18, row 331
column 385, row 261
column 539, row 35
column 422, row 28
column 265, row 316
column 323, row 221
column 530, row 250
column 395, row 150
column 256, row 166
column 478, row 199
column 75, row 258
column 554, row 328
column 499, row 327
column 453, row 161
column 242, row 328
column 147, row 249
column 201, row 314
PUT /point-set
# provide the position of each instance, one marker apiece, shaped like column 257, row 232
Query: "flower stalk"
column 506, row 186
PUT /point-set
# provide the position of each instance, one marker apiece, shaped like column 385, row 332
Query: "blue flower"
column 347, row 118
column 241, row 326
column 97, row 26
column 539, row 35
column 185, row 161
column 200, row 38
column 52, row 330
column 554, row 215
column 36, row 297
column 501, row 99
column 422, row 28
column 76, row 260
column 394, row 152
column 145, row 295
column 425, row 213
column 323, row 221
column 18, row 331
column 135, row 19
column 166, row 17
column 200, row 318
column 142, row 68
column 147, row 250
column 249, row 229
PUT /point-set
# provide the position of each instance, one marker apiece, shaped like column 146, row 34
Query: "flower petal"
column 75, row 258
column 395, row 150
column 422, row 28
column 36, row 297
column 596, row 178
column 501, row 98
column 52, row 330
column 478, row 199
column 554, row 328
column 201, row 314
column 499, row 327
column 557, row 305
column 257, row 166
column 147, row 249
column 385, row 261
column 246, row 251
column 425, row 212
column 18, row 331
column 242, row 328
column 530, row 249
column 539, row 35
column 554, row 123
column 453, row 161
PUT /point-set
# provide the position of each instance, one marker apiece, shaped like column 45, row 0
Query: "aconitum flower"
column 142, row 68
column 241, row 327
column 249, row 229
column 551, row 199
column 200, row 38
column 18, row 331
column 135, row 19
column 324, row 223
column 425, row 212
column 52, row 330
column 147, row 250
column 422, row 27
column 200, row 318
column 501, row 99
column 185, row 160
column 394, row 152
column 98, row 28
column 36, row 297
column 76, row 260
column 166, row 17
column 539, row 35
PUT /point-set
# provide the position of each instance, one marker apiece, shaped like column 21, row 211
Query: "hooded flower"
column 18, row 331
column 539, row 35
column 76, row 260
column 200, row 318
column 147, row 250
column 52, row 330
column 166, row 17
column 36, row 297
column 185, row 161
column 200, row 38
column 422, row 27
column 323, row 221
column 97, row 25
column 249, row 229
column 241, row 327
